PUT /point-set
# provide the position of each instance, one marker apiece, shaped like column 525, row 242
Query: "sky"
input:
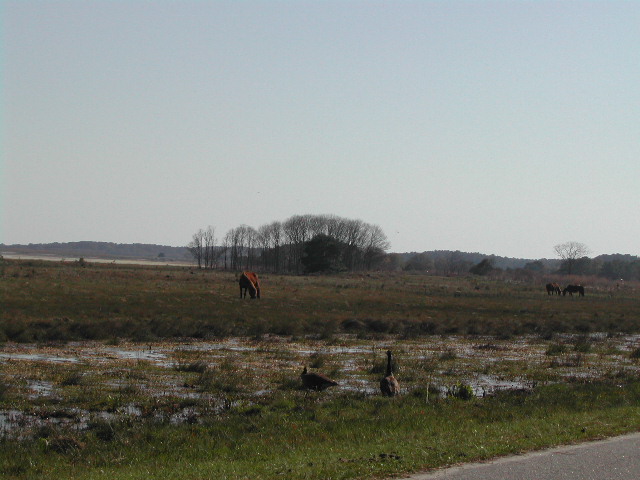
column 499, row 127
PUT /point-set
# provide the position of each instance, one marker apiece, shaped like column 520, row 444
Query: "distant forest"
column 328, row 243
column 613, row 267
column 439, row 262
column 300, row 244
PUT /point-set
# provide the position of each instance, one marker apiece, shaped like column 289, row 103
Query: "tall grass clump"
column 215, row 380
column 4, row 390
column 461, row 391
column 556, row 349
column 73, row 378
column 197, row 366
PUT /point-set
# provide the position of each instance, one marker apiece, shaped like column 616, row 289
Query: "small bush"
column 379, row 326
column 461, row 391
column 448, row 355
column 582, row 346
column 317, row 360
column 64, row 444
column 213, row 381
column 430, row 392
column 352, row 325
column 198, row 366
column 102, row 429
column 556, row 349
column 4, row 388
column 73, row 378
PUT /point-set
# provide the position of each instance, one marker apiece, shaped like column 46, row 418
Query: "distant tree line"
column 612, row 267
column 300, row 244
column 328, row 243
column 447, row 263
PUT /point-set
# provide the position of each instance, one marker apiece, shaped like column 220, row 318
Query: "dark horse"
column 571, row 289
column 553, row 289
column 249, row 282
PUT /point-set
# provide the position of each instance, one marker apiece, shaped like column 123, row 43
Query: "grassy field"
column 113, row 371
column 52, row 302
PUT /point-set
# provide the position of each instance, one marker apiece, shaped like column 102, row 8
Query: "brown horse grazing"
column 571, row 289
column 248, row 281
column 553, row 289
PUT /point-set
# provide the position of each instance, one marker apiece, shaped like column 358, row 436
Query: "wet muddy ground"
column 76, row 384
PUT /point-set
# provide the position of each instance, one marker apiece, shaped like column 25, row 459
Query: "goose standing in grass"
column 316, row 381
column 389, row 385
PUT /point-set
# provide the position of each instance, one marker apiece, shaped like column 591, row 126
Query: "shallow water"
column 39, row 357
column 257, row 368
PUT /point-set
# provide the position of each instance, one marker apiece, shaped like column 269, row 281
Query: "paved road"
column 612, row 459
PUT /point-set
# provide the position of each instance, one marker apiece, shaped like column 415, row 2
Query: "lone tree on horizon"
column 571, row 252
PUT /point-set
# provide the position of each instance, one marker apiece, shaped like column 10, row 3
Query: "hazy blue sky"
column 501, row 127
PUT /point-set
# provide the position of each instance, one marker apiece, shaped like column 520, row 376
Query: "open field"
column 112, row 371
column 62, row 259
column 49, row 301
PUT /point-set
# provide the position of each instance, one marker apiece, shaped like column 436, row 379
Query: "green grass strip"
column 350, row 436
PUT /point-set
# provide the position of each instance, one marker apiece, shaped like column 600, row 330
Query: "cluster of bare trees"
column 203, row 248
column 280, row 246
column 571, row 254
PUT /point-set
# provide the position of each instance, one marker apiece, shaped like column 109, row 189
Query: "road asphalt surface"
column 616, row 458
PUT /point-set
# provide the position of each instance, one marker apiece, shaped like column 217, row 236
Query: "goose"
column 389, row 385
column 316, row 381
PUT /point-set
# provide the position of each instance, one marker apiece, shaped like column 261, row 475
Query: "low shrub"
column 448, row 355
column 461, row 391
column 4, row 388
column 197, row 366
column 72, row 379
column 556, row 349
column 102, row 429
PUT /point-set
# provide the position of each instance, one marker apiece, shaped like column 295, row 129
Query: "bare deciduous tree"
column 570, row 252
column 209, row 239
column 336, row 228
column 270, row 244
column 296, row 230
column 354, row 242
column 241, row 241
column 196, row 248
column 375, row 246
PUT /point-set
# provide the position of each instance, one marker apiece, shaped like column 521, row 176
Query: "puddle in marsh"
column 488, row 385
column 16, row 424
column 142, row 355
column 81, row 354
column 209, row 376
column 38, row 357
column 40, row 389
